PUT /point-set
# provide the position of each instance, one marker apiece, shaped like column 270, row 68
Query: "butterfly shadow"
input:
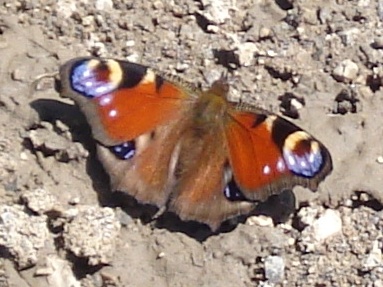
column 278, row 207
column 53, row 111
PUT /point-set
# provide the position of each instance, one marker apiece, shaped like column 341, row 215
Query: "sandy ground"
column 60, row 225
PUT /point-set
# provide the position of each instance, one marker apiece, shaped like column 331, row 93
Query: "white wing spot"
column 86, row 73
column 266, row 169
column 113, row 113
column 102, row 90
column 291, row 160
column 106, row 100
column 280, row 165
column 312, row 157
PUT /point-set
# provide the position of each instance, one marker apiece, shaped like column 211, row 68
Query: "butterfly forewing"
column 121, row 100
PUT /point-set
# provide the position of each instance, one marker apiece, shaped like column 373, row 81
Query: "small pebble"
column 103, row 4
column 346, row 71
column 39, row 200
column 74, row 200
column 264, row 32
column 161, row 255
column 274, row 269
column 328, row 224
column 378, row 43
column 373, row 258
column 260, row 220
column 246, row 53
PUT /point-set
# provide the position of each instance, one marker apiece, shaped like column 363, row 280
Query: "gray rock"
column 92, row 234
column 39, row 200
column 23, row 241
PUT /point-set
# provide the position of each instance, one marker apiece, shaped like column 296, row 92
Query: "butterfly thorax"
column 211, row 107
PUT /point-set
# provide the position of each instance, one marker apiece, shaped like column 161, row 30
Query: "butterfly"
column 190, row 151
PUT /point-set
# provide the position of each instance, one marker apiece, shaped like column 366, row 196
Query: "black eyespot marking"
column 259, row 120
column 159, row 82
column 133, row 74
column 281, row 129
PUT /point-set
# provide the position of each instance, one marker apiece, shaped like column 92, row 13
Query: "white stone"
column 130, row 43
column 260, row 220
column 364, row 3
column 65, row 8
column 104, row 4
column 217, row 11
column 327, row 225
column 373, row 258
column 274, row 269
column 246, row 53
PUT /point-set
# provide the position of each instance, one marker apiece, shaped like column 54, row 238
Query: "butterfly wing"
column 135, row 117
column 121, row 100
column 268, row 154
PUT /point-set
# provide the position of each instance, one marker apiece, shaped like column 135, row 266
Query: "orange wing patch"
column 254, row 156
column 129, row 112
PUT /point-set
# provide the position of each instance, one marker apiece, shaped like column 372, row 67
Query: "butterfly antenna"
column 39, row 78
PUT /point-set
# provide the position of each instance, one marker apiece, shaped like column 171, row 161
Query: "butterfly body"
column 201, row 156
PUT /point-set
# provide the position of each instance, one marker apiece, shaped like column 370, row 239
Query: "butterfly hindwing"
column 147, row 175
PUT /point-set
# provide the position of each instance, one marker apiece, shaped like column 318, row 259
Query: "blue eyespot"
column 124, row 151
column 307, row 164
column 86, row 81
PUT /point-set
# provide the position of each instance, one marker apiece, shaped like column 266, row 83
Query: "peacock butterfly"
column 191, row 151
